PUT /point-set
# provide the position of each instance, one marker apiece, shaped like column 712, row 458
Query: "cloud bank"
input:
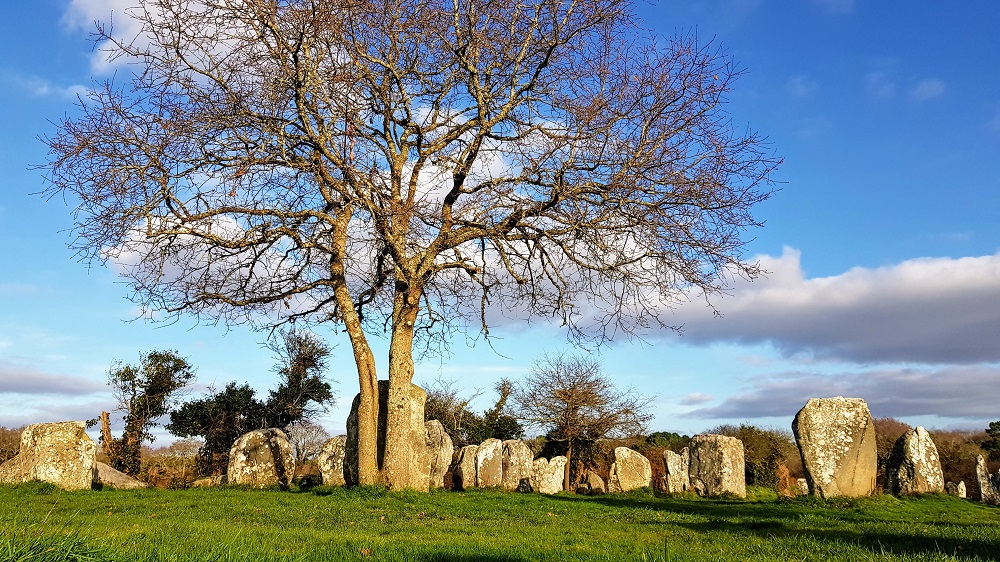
column 929, row 310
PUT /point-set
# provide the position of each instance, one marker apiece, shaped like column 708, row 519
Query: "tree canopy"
column 411, row 167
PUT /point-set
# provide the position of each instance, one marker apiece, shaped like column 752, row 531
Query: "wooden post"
column 106, row 437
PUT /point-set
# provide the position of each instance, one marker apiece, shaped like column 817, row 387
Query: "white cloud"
column 956, row 392
column 85, row 14
column 40, row 87
column 696, row 398
column 801, row 86
column 927, row 89
column 929, row 310
column 17, row 378
column 879, row 84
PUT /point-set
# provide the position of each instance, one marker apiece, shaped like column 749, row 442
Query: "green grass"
column 39, row 522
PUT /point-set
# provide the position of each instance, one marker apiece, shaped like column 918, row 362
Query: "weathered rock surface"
column 914, row 466
column 105, row 475
column 676, row 468
column 489, row 464
column 957, row 490
column 517, row 466
column 547, row 475
column 836, row 438
column 592, row 484
column 463, row 470
column 209, row 481
column 261, row 458
column 631, row 470
column 989, row 484
column 716, row 466
column 415, row 470
column 331, row 461
column 60, row 453
column 440, row 450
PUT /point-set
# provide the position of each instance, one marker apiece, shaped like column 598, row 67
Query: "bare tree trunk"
column 106, row 437
column 404, row 451
column 569, row 458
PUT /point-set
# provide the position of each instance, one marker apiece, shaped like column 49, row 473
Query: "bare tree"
column 410, row 168
column 307, row 439
column 573, row 401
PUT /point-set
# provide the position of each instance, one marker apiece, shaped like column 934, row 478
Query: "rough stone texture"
column 989, row 485
column 955, row 489
column 914, row 466
column 412, row 411
column 440, row 449
column 836, row 438
column 104, row 475
column 261, row 458
column 547, row 475
column 517, row 465
column 676, row 468
column 716, row 466
column 592, row 484
column 209, row 481
column 463, row 470
column 489, row 464
column 801, row 486
column 631, row 470
column 331, row 461
column 60, row 453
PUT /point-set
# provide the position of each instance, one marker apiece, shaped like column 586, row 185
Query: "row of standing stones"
column 835, row 436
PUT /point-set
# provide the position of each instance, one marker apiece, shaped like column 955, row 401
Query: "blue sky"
column 882, row 243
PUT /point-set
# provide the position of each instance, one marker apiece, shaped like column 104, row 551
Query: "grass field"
column 40, row 522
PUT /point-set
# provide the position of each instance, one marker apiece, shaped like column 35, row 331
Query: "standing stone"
column 60, row 453
column 676, row 468
column 517, row 465
column 716, row 466
column 836, row 438
column 914, row 466
column 957, row 490
column 261, row 458
column 801, row 486
column 631, row 470
column 105, row 475
column 547, row 475
column 463, row 471
column 489, row 464
column 440, row 449
column 592, row 484
column 989, row 485
column 331, row 461
column 415, row 435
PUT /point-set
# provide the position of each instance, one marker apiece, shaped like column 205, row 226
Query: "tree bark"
column 569, row 458
column 405, row 452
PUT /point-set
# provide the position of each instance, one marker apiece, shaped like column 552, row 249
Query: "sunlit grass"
column 39, row 522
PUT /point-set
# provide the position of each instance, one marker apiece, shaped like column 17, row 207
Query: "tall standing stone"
column 716, row 466
column 463, row 471
column 989, row 484
column 489, row 464
column 60, row 453
column 331, row 461
column 676, row 468
column 517, row 465
column 547, row 475
column 914, row 466
column 414, row 434
column 631, row 470
column 836, row 438
column 440, row 450
column 261, row 458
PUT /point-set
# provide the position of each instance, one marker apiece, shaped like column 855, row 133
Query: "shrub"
column 764, row 450
column 887, row 431
column 10, row 443
column 957, row 451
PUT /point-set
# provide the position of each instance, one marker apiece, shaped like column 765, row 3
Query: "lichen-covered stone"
column 914, row 466
column 676, row 468
column 716, row 466
column 957, row 490
column 440, row 450
column 591, row 485
column 411, row 412
column 836, row 438
column 261, row 458
column 60, row 453
column 631, row 470
column 331, row 461
column 547, row 475
column 517, row 465
column 463, row 470
column 489, row 464
column 105, row 475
